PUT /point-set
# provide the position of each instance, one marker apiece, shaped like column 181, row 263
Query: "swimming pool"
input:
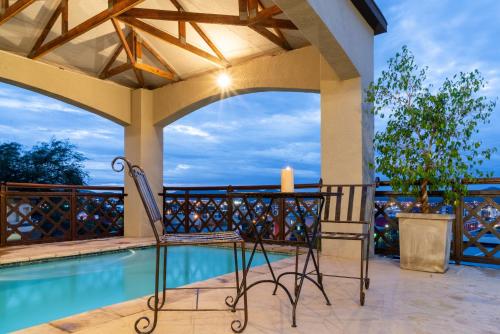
column 37, row 293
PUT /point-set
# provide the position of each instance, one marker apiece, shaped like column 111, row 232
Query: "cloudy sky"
column 247, row 139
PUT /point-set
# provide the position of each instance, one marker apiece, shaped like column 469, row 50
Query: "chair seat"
column 344, row 235
column 204, row 238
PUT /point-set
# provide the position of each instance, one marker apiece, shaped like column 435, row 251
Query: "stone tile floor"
column 464, row 300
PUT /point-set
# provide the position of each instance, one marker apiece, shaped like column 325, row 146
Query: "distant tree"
column 11, row 162
column 53, row 162
column 428, row 143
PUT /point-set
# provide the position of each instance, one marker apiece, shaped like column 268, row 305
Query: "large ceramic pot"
column 424, row 241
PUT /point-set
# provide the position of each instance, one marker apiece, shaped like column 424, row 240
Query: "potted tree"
column 428, row 144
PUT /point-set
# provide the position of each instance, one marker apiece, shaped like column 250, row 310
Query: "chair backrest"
column 144, row 189
column 355, row 206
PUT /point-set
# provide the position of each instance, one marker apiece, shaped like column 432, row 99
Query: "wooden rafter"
column 131, row 55
column 117, row 70
column 160, row 59
column 155, row 70
column 12, row 10
column 268, row 12
column 116, row 53
column 264, row 14
column 138, row 24
column 170, row 15
column 123, row 40
column 200, row 32
column 46, row 30
column 272, row 37
column 134, row 43
column 118, row 8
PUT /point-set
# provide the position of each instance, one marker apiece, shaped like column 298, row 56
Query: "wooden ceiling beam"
column 272, row 37
column 46, row 30
column 200, row 32
column 117, row 8
column 9, row 12
column 123, row 40
column 154, row 70
column 269, row 12
column 170, row 15
column 116, row 53
column 264, row 14
column 117, row 70
column 160, row 59
column 147, row 28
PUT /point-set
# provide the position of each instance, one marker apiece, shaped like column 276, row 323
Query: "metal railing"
column 476, row 230
column 207, row 209
column 38, row 213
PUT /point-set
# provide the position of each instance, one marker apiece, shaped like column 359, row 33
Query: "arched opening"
column 29, row 117
column 245, row 139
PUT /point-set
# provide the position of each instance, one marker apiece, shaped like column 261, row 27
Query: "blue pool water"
column 40, row 292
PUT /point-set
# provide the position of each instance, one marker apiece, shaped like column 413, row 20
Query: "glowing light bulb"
column 224, row 80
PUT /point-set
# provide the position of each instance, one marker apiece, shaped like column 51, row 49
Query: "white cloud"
column 34, row 104
column 190, row 131
column 183, row 167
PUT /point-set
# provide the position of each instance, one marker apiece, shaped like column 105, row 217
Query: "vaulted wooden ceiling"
column 145, row 43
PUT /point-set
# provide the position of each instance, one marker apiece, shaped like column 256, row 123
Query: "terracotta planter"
column 424, row 241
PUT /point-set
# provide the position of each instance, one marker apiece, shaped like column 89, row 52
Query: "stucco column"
column 144, row 147
column 346, row 146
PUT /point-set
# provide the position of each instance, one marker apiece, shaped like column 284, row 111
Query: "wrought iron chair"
column 164, row 240
column 364, row 193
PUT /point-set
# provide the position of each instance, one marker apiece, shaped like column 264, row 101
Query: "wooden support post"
column 182, row 32
column 4, row 5
column 64, row 17
column 243, row 8
column 252, row 8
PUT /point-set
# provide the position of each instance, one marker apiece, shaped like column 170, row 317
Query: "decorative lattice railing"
column 37, row 213
column 208, row 209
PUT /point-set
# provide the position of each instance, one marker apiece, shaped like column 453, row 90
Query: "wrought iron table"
column 256, row 215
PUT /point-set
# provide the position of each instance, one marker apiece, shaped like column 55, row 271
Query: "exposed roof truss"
column 252, row 14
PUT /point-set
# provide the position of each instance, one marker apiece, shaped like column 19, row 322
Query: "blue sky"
column 247, row 139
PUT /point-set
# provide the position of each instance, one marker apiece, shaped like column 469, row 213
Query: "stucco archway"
column 297, row 70
column 103, row 98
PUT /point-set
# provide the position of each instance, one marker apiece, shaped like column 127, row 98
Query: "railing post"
column 229, row 204
column 73, row 219
column 3, row 215
column 281, row 219
column 458, row 231
column 186, row 211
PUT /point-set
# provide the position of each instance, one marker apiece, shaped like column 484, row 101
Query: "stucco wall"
column 104, row 98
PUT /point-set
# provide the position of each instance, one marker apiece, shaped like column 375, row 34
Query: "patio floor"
column 464, row 300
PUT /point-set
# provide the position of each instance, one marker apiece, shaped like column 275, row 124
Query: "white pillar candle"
column 287, row 182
